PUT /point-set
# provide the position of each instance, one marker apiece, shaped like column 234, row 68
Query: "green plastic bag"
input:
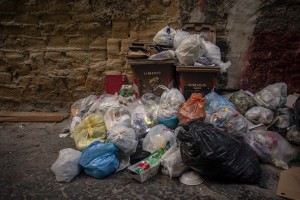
column 92, row 128
column 242, row 101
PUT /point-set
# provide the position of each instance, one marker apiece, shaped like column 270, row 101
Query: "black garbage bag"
column 297, row 113
column 215, row 154
column 139, row 154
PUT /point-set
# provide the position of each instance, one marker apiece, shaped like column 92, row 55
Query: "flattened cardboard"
column 291, row 99
column 289, row 183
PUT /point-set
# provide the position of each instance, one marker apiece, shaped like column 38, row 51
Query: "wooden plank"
column 32, row 116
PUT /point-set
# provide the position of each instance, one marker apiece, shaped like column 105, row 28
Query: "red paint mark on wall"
column 201, row 4
column 272, row 57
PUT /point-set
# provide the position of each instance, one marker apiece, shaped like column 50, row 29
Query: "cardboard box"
column 145, row 175
column 149, row 74
column 289, row 183
column 290, row 100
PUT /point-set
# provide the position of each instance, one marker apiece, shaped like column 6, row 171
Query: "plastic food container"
column 191, row 178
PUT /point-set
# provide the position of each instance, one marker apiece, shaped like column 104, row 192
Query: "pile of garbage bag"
column 210, row 135
column 189, row 49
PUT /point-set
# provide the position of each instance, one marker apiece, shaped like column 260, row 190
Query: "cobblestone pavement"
column 27, row 151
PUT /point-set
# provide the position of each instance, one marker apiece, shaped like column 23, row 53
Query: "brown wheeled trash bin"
column 149, row 74
column 200, row 79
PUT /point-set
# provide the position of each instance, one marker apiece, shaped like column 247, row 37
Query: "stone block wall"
column 53, row 53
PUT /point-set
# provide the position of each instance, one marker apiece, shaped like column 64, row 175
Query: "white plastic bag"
column 124, row 138
column 172, row 163
column 66, row 167
column 165, row 36
column 190, row 50
column 214, row 54
column 75, row 121
column 259, row 115
column 179, row 36
column 158, row 137
column 164, row 55
column 271, row 147
column 170, row 102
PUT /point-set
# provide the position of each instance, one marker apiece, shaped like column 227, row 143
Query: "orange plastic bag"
column 192, row 109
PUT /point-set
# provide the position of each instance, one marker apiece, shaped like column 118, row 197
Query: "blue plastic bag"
column 99, row 160
column 215, row 102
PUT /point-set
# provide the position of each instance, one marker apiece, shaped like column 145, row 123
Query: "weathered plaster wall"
column 274, row 49
column 260, row 37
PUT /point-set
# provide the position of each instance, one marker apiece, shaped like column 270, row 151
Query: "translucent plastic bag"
column 259, row 115
column 92, row 128
column 214, row 54
column 179, row 36
column 170, row 102
column 99, row 160
column 158, row 137
column 230, row 121
column 80, row 107
column 271, row 147
column 272, row 96
column 164, row 55
column 124, row 138
column 114, row 116
column 242, row 101
column 141, row 121
column 293, row 135
column 102, row 105
column 190, row 50
column 172, row 163
column 165, row 36
column 151, row 104
column 66, row 167
column 281, row 121
column 192, row 109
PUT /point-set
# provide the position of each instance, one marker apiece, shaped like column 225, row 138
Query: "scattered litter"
column 63, row 135
column 22, row 126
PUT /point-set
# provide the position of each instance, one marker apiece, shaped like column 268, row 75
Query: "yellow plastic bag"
column 92, row 128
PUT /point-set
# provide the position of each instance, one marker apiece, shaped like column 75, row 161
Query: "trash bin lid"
column 149, row 62
column 197, row 69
